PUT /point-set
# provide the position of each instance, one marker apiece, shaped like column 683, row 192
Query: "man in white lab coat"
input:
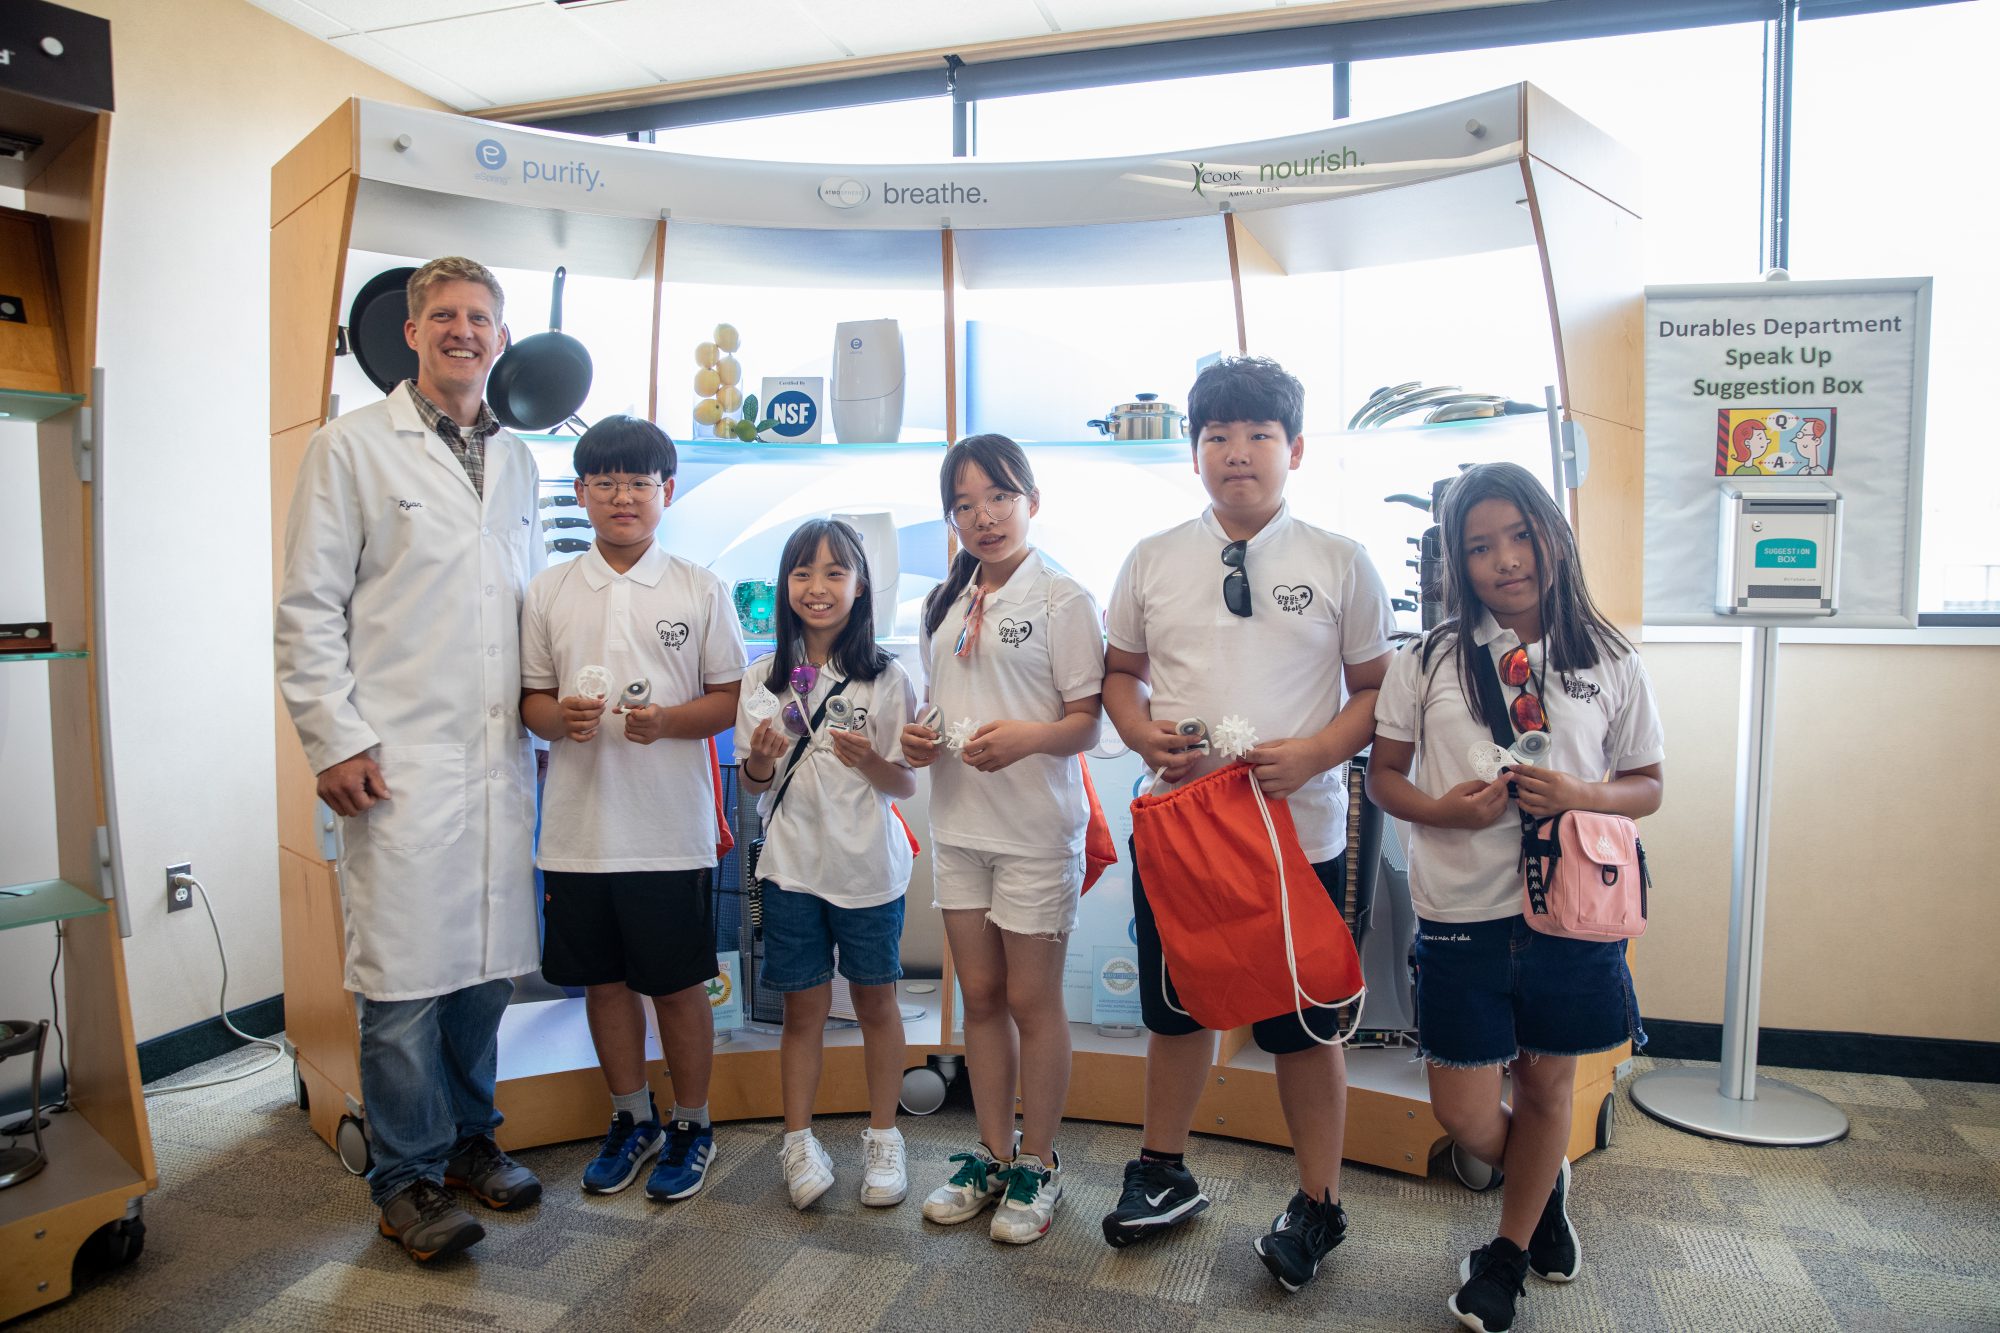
column 411, row 538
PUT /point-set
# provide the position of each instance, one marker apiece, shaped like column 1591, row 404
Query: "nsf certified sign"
column 793, row 407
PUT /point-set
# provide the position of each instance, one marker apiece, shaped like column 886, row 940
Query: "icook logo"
column 491, row 154
column 1203, row 176
column 792, row 414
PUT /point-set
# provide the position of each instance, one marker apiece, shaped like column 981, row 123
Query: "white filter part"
column 867, row 358
column 878, row 541
column 868, row 420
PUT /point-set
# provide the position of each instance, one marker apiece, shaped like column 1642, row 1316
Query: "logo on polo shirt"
column 1014, row 633
column 1293, row 599
column 672, row 633
column 1579, row 689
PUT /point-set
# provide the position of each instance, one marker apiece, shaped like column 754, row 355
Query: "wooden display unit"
column 1527, row 173
column 100, row 1152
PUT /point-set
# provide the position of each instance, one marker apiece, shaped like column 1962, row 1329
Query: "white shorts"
column 1029, row 895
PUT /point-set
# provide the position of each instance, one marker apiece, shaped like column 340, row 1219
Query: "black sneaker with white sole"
column 1303, row 1235
column 1554, row 1253
column 1494, row 1277
column 1157, row 1195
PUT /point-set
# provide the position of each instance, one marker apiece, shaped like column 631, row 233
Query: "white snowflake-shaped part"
column 1487, row 759
column 593, row 682
column 1233, row 737
column 958, row 733
column 760, row 703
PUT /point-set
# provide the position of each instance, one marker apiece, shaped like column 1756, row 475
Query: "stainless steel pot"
column 1146, row 419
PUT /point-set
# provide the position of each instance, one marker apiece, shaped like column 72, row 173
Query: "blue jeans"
column 427, row 1073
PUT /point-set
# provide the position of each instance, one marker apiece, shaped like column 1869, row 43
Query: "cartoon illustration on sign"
column 1774, row 441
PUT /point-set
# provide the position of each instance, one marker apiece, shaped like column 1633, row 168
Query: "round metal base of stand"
column 1782, row 1116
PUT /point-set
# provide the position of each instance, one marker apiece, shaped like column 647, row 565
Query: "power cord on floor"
column 190, row 882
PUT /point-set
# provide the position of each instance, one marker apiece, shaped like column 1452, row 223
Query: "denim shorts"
column 801, row 930
column 1487, row 989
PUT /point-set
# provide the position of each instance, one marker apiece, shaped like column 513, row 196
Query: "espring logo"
column 490, row 154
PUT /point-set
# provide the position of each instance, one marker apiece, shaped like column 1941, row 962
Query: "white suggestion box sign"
column 1763, row 386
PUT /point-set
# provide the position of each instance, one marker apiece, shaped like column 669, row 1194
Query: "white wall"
column 210, row 94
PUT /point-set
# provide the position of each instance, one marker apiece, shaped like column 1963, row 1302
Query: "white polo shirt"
column 1041, row 646
column 609, row 804
column 1602, row 721
column 1316, row 605
column 834, row 836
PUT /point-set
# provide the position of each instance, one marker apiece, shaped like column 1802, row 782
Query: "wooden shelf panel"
column 81, row 1166
column 45, row 900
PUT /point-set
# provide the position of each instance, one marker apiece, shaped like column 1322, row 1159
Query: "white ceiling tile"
column 517, row 55
column 881, row 27
column 306, row 18
column 368, row 15
column 692, row 39
column 419, row 76
column 1085, row 15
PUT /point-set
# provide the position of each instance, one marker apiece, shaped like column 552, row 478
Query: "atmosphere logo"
column 490, row 154
column 843, row 192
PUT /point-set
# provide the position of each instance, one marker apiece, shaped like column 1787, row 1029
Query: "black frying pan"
column 541, row 380
column 375, row 329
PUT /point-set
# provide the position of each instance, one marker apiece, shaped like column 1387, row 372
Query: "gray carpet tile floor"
column 256, row 1226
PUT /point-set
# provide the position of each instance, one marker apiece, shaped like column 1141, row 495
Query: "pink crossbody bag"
column 1583, row 873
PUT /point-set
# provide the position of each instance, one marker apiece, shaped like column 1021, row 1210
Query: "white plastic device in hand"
column 593, row 682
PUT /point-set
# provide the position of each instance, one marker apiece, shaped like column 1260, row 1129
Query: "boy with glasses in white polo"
column 628, row 842
column 1246, row 612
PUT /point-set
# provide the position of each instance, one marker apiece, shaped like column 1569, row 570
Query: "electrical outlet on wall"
column 179, row 895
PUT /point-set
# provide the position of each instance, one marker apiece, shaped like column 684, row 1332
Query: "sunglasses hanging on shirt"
column 1526, row 709
column 1236, row 583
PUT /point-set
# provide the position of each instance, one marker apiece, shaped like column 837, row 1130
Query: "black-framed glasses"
column 999, row 507
column 1236, row 583
column 604, row 488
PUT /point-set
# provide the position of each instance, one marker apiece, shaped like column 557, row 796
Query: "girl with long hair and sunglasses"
column 1013, row 650
column 819, row 731
column 1491, row 991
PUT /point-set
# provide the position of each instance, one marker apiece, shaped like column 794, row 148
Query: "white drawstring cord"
column 1299, row 992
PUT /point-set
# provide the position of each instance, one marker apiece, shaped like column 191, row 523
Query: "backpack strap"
column 1534, row 847
column 798, row 751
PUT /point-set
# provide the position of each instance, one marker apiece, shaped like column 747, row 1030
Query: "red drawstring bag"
column 1099, row 851
column 1245, row 926
column 724, row 839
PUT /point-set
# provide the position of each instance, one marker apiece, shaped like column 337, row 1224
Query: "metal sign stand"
column 1734, row 1103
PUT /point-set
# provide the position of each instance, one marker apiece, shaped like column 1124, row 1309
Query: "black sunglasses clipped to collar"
column 1236, row 583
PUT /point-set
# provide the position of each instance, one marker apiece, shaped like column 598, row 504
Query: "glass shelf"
column 47, row 900
column 21, row 405
column 78, row 655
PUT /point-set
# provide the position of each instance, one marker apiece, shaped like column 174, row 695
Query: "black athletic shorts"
column 1281, row 1035
column 654, row 930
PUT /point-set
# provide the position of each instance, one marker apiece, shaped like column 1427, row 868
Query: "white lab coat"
column 398, row 633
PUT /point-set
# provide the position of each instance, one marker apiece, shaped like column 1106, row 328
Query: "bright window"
column 1162, row 117
column 916, row 131
column 1885, row 108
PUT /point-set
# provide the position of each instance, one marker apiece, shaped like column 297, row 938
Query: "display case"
column 86, row 1202
column 1032, row 297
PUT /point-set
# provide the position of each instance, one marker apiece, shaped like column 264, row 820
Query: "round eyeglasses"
column 641, row 488
column 998, row 506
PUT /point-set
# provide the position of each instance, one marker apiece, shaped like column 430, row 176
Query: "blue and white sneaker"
column 626, row 1147
column 683, row 1164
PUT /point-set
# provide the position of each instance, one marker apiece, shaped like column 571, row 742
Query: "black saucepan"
column 375, row 329
column 541, row 380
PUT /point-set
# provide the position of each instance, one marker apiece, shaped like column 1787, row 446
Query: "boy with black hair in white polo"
column 628, row 842
column 1247, row 611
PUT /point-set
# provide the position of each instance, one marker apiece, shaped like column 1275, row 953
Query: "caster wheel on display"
column 299, row 1093
column 1472, row 1173
column 923, row 1090
column 351, row 1142
column 112, row 1245
column 1604, row 1122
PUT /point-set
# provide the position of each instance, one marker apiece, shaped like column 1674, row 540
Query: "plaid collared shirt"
column 468, row 445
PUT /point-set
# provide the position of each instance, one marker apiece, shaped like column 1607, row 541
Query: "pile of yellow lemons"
column 720, row 403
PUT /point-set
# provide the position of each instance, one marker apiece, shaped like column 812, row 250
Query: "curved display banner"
column 452, row 154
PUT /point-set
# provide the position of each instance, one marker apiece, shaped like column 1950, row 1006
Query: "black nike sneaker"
column 1303, row 1235
column 1157, row 1195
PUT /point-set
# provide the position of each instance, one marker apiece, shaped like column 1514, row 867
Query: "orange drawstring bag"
column 1100, row 853
column 1233, row 894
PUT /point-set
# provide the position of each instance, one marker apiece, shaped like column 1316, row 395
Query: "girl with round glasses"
column 836, row 857
column 1014, row 653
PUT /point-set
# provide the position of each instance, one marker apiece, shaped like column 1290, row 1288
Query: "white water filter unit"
column 867, row 394
column 878, row 542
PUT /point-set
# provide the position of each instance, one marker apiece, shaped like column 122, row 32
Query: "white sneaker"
column 808, row 1170
column 980, row 1180
column 885, row 1181
column 1029, row 1204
